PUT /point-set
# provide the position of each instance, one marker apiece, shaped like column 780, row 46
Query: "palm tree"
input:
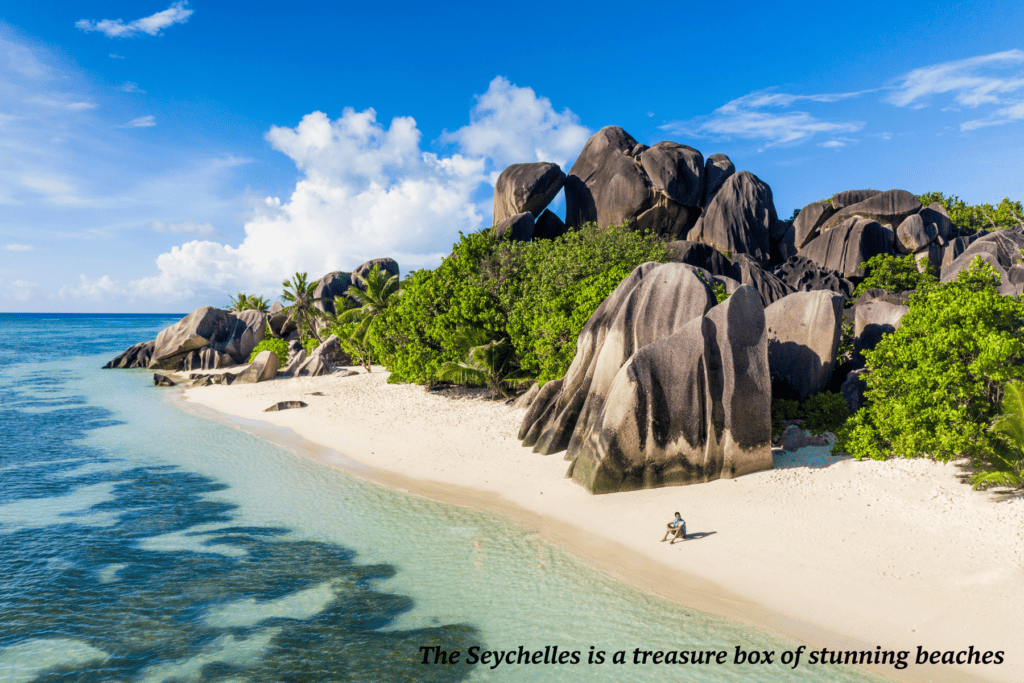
column 372, row 301
column 356, row 311
column 1007, row 455
column 300, row 293
column 245, row 302
column 488, row 362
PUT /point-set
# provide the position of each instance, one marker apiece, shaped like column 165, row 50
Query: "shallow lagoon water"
column 141, row 543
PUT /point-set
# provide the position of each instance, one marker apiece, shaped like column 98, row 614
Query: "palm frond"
column 462, row 373
column 1011, row 422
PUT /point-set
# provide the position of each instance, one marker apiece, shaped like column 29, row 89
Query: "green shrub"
column 824, row 412
column 783, row 409
column 936, row 382
column 821, row 412
column 894, row 274
column 536, row 295
column 972, row 217
column 278, row 346
column 310, row 344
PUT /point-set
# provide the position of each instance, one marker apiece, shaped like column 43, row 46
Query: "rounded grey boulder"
column 738, row 219
column 803, row 334
column 526, row 187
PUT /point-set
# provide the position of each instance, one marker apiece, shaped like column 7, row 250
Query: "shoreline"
column 775, row 550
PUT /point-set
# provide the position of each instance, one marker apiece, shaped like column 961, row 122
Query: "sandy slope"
column 833, row 551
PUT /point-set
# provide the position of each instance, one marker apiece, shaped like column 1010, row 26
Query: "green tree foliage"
column 1005, row 466
column 936, row 382
column 536, row 295
column 357, row 311
column 247, row 302
column 821, row 412
column 299, row 293
column 824, row 412
column 894, row 274
column 972, row 217
column 278, row 346
column 487, row 362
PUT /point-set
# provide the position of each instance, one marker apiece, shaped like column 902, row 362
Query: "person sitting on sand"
column 677, row 527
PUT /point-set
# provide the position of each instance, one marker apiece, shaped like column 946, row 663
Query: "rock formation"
column 690, row 407
column 654, row 301
column 526, row 188
column 616, row 179
column 803, row 334
column 849, row 244
column 739, row 218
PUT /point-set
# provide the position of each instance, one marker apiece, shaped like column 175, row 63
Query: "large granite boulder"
column 386, row 265
column 888, row 208
column 654, row 301
column 875, row 319
column 240, row 347
column 1001, row 248
column 230, row 337
column 703, row 256
column 687, row 408
column 770, row 287
column 329, row 286
column 548, row 226
column 804, row 275
column 803, row 334
column 137, row 356
column 841, row 200
column 717, row 168
column 280, row 321
column 957, row 246
column 263, row 367
column 206, row 358
column 936, row 214
column 616, row 179
column 526, row 187
column 738, row 219
column 848, row 245
column 518, row 228
column 809, row 220
column 322, row 360
column 913, row 234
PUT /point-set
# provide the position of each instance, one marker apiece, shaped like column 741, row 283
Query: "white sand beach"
column 834, row 552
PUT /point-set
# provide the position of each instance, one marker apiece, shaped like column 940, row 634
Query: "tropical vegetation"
column 247, row 302
column 299, row 292
column 534, row 296
column 937, row 382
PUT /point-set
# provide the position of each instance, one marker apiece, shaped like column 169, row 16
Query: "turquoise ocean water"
column 141, row 543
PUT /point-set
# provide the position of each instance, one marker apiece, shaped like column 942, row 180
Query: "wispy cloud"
column 186, row 228
column 746, row 117
column 141, row 122
column 1009, row 114
column 151, row 25
column 131, row 87
column 971, row 81
column 62, row 104
column 19, row 247
column 114, row 55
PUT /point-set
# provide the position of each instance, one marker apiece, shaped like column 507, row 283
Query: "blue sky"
column 159, row 156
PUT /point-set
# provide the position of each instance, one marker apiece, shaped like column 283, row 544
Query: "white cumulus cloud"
column 510, row 125
column 151, row 25
column 368, row 190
